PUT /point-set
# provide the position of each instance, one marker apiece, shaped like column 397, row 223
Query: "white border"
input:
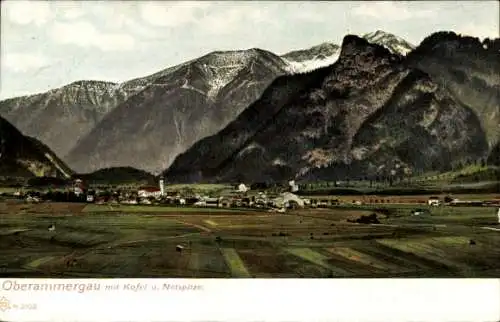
column 254, row 300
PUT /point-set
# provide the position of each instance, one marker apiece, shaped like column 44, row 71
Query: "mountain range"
column 146, row 122
column 177, row 109
column 374, row 104
column 371, row 113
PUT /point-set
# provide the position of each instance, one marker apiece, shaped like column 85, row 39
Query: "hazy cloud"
column 229, row 19
column 27, row 12
column 389, row 10
column 171, row 14
column 23, row 62
column 479, row 30
column 84, row 34
column 73, row 13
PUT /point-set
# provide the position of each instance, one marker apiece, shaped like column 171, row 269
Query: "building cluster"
column 240, row 197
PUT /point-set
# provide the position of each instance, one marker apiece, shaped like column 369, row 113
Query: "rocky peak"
column 88, row 83
column 395, row 44
column 446, row 41
column 358, row 51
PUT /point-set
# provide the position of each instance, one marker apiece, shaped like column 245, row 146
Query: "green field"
column 233, row 260
column 90, row 241
column 8, row 190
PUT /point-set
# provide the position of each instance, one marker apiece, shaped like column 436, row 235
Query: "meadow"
column 91, row 241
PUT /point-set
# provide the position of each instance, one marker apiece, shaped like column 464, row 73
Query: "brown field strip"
column 362, row 258
column 211, row 222
column 407, row 261
column 422, row 249
column 448, row 240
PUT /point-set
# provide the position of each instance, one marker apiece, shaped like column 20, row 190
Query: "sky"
column 48, row 44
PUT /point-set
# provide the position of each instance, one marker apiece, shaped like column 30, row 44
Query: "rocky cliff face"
column 22, row 156
column 175, row 109
column 469, row 70
column 369, row 114
column 60, row 117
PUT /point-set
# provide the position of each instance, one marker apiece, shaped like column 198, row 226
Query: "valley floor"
column 451, row 242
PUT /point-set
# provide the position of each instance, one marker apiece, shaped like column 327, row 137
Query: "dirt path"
column 491, row 228
column 129, row 242
column 208, row 230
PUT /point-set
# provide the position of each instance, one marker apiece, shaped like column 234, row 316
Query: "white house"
column 77, row 191
column 243, row 188
column 147, row 192
column 433, row 201
column 498, row 214
column 285, row 200
column 293, row 186
column 200, row 203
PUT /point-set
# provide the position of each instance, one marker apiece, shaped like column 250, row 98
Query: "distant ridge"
column 370, row 114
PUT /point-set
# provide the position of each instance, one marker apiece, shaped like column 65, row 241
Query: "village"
column 241, row 196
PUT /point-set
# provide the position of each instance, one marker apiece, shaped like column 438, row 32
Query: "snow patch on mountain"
column 220, row 68
column 393, row 43
column 186, row 85
column 325, row 54
column 306, row 60
column 297, row 67
column 220, row 76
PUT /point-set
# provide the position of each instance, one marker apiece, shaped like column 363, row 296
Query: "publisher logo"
column 4, row 304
